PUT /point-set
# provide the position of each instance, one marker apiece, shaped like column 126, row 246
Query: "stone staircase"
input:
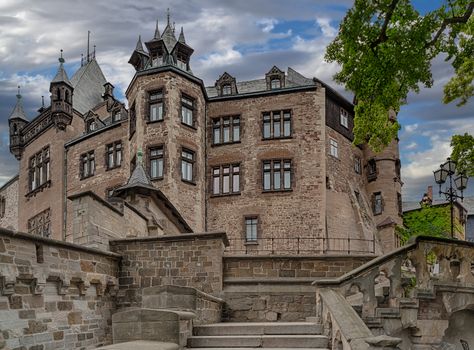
column 268, row 335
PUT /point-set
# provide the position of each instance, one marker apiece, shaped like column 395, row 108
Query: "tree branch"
column 447, row 21
column 383, row 33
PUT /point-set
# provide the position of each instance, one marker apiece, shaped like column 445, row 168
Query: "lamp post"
column 448, row 170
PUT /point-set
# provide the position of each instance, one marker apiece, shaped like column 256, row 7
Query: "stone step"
column 259, row 341
column 258, row 328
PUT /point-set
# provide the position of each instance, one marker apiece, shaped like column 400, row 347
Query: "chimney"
column 430, row 193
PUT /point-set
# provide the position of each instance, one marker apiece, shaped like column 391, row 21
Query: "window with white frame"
column 187, row 165
column 155, row 156
column 277, row 175
column 333, row 148
column 187, row 110
column 344, row 118
column 226, row 179
column 251, row 229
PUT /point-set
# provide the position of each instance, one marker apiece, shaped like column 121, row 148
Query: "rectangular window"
column 155, row 106
column 277, row 175
column 38, row 170
column 400, row 205
column 155, row 156
column 114, row 155
column 357, row 165
column 187, row 165
column 182, row 63
column 377, row 203
column 40, row 224
column 333, row 151
column 251, row 229
column 187, row 110
column 226, row 179
column 276, row 84
column 133, row 120
column 117, row 116
column 344, row 118
column 3, row 205
column 276, row 124
column 226, row 90
column 225, row 130
column 87, row 165
column 371, row 170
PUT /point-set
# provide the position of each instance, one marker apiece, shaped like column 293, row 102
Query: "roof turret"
column 18, row 111
column 61, row 75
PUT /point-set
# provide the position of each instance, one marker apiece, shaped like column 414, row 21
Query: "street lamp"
column 448, row 169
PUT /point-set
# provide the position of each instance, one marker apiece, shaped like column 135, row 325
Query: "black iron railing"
column 302, row 246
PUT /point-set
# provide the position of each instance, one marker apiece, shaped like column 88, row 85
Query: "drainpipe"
column 206, row 200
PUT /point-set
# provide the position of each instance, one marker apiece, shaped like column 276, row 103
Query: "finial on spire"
column 61, row 59
column 42, row 101
column 174, row 27
column 93, row 54
column 88, row 41
column 139, row 156
column 82, row 59
column 181, row 38
column 168, row 15
column 139, row 46
column 18, row 95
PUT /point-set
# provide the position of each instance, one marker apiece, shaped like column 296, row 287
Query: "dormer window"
column 157, row 61
column 181, row 62
column 117, row 116
column 344, row 118
column 91, row 125
column 276, row 84
column 226, row 90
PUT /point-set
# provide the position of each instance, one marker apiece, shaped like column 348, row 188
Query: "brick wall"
column 190, row 260
column 54, row 295
column 9, row 192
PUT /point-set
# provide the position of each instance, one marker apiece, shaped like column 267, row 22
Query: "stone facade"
column 189, row 260
column 290, row 133
column 9, row 204
column 54, row 295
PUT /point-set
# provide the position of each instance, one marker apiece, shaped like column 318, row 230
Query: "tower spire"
column 88, row 45
column 61, row 75
column 157, row 31
column 168, row 15
column 139, row 46
column 181, row 38
column 18, row 112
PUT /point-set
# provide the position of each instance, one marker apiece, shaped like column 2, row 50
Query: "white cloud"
column 326, row 28
column 411, row 146
column 267, row 24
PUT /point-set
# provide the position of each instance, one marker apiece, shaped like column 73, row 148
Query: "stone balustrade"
column 416, row 287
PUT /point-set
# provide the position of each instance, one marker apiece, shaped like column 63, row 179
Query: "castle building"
column 268, row 161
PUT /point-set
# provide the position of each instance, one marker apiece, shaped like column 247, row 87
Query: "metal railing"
column 302, row 246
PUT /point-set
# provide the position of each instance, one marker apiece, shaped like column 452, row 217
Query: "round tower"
column 17, row 121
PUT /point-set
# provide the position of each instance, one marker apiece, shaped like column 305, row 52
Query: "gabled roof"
column 88, row 83
column 140, row 183
column 18, row 111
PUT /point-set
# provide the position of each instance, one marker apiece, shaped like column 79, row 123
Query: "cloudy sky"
column 245, row 38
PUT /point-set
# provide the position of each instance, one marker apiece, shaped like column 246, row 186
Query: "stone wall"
column 54, row 295
column 95, row 221
column 9, row 193
column 278, row 288
column 103, row 178
column 191, row 260
column 299, row 212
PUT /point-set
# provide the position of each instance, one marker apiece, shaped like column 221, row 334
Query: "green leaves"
column 385, row 50
column 463, row 153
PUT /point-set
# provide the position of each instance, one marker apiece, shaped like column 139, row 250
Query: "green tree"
column 428, row 221
column 385, row 48
column 463, row 153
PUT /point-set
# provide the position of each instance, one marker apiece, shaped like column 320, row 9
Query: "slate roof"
column 139, row 178
column 18, row 111
column 168, row 38
column 61, row 75
column 292, row 79
column 88, row 83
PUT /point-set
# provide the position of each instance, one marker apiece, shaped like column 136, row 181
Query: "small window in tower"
column 3, row 206
column 357, row 165
column 334, row 148
column 156, row 162
column 156, row 106
column 117, row 116
column 187, row 165
column 66, row 96
column 377, row 203
column 181, row 62
column 58, row 94
column 91, row 125
column 275, row 83
column 371, row 170
column 187, row 110
column 87, row 165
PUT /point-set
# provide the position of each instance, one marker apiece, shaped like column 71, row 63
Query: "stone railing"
column 407, row 283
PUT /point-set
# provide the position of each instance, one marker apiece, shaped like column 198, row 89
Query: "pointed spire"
column 18, row 112
column 181, row 39
column 61, row 75
column 168, row 15
column 139, row 46
column 157, row 31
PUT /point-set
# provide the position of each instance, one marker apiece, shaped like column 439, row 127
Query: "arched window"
column 58, row 94
column 66, row 96
column 15, row 129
